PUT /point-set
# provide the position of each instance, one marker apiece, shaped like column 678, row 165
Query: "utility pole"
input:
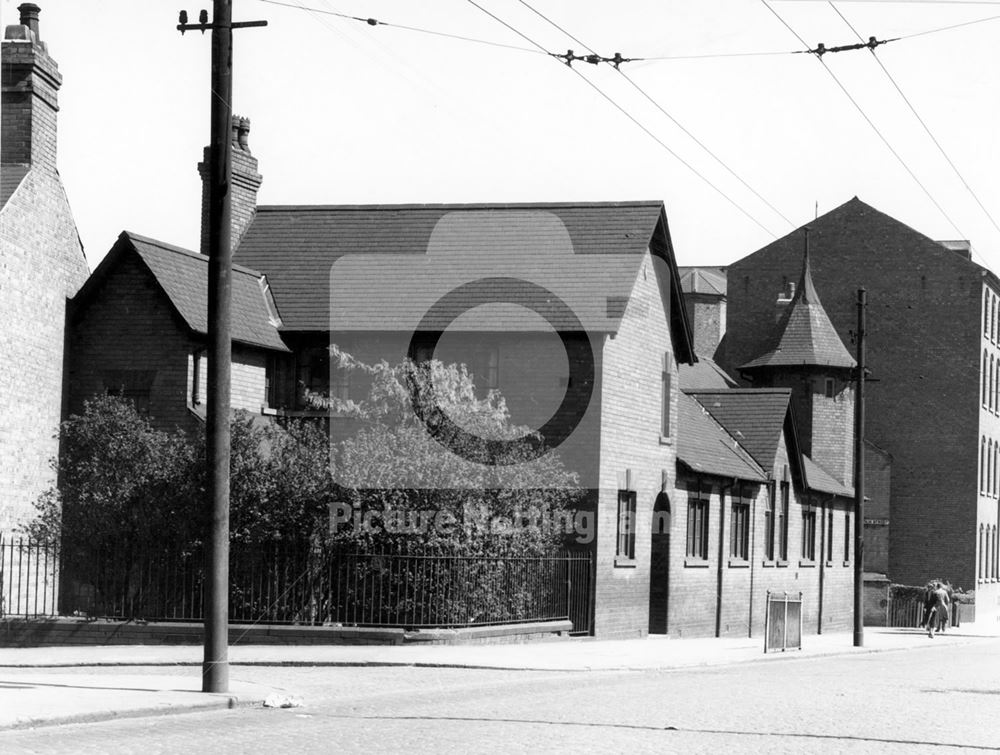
column 215, row 667
column 859, row 477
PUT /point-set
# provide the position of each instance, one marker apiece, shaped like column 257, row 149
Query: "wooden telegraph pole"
column 215, row 667
column 859, row 477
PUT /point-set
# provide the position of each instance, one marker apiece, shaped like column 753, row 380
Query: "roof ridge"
column 729, row 391
column 168, row 247
column 460, row 205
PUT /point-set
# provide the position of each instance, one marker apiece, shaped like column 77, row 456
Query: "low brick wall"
column 66, row 631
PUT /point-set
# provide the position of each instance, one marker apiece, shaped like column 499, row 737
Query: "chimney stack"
column 784, row 299
column 245, row 184
column 29, row 84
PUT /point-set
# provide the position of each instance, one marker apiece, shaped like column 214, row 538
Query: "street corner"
column 36, row 698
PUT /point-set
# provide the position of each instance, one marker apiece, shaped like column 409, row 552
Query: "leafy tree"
column 495, row 490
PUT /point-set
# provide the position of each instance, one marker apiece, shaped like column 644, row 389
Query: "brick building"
column 139, row 329
column 41, row 266
column 933, row 343
column 705, row 300
column 539, row 287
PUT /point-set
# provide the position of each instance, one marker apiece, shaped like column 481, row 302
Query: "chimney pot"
column 29, row 17
column 243, row 134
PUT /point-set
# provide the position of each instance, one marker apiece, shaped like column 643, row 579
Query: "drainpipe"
column 822, row 567
column 753, row 556
column 722, row 539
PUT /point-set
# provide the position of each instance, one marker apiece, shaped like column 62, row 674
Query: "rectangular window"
column 847, row 535
column 697, row 524
column 626, row 524
column 485, row 368
column 132, row 385
column 665, row 397
column 808, row 533
column 739, row 528
column 783, row 524
column 312, row 374
column 830, row 388
column 769, row 523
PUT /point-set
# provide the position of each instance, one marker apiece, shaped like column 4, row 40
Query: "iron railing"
column 299, row 583
column 908, row 611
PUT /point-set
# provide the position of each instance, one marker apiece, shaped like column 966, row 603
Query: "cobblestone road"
column 930, row 699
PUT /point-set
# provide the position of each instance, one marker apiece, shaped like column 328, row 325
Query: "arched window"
column 986, row 312
column 993, row 320
column 996, row 469
column 989, row 467
column 982, row 549
column 996, row 553
column 992, row 377
column 985, row 377
column 982, row 465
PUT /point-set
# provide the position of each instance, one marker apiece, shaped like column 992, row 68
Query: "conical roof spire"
column 804, row 334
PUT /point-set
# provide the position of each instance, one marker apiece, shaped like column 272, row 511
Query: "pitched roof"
column 703, row 445
column 705, row 374
column 804, row 334
column 753, row 416
column 819, row 479
column 183, row 277
column 703, row 280
column 302, row 248
column 11, row 175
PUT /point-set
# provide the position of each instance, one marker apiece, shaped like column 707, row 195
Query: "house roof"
column 820, row 480
column 804, row 334
column 705, row 374
column 703, row 280
column 417, row 253
column 11, row 175
column 703, row 445
column 753, row 416
column 183, row 277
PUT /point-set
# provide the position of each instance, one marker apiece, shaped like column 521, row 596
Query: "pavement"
column 51, row 685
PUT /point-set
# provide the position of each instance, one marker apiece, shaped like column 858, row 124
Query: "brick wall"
column 630, row 441
column 129, row 324
column 707, row 315
column 924, row 322
column 695, row 606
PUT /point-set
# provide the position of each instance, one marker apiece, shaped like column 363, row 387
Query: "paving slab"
column 32, row 698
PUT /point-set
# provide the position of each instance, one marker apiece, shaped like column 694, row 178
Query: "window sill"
column 806, row 563
column 697, row 563
column 738, row 564
column 768, row 564
column 829, row 563
column 847, row 563
column 781, row 563
column 625, row 563
column 666, row 440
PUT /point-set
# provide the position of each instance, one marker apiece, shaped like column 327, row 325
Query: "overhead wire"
column 377, row 22
column 663, row 110
column 633, row 119
column 926, row 128
column 871, row 123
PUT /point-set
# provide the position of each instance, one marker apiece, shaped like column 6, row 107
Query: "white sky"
column 346, row 113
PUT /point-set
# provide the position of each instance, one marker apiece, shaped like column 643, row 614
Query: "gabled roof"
column 820, row 480
column 11, row 175
column 703, row 445
column 753, row 416
column 705, row 374
column 804, row 334
column 703, row 280
column 182, row 275
column 588, row 254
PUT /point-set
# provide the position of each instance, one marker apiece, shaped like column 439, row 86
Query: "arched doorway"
column 659, row 566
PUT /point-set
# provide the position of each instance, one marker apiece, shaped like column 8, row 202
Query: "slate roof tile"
column 301, row 248
column 753, row 416
column 703, row 445
column 705, row 374
column 804, row 334
column 819, row 479
column 183, row 276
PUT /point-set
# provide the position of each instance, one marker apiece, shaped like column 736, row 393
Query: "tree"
column 435, row 464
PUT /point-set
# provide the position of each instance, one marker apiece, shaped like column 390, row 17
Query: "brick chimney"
column 245, row 184
column 29, row 82
column 784, row 299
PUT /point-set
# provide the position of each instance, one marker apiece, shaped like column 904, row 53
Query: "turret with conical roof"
column 808, row 356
